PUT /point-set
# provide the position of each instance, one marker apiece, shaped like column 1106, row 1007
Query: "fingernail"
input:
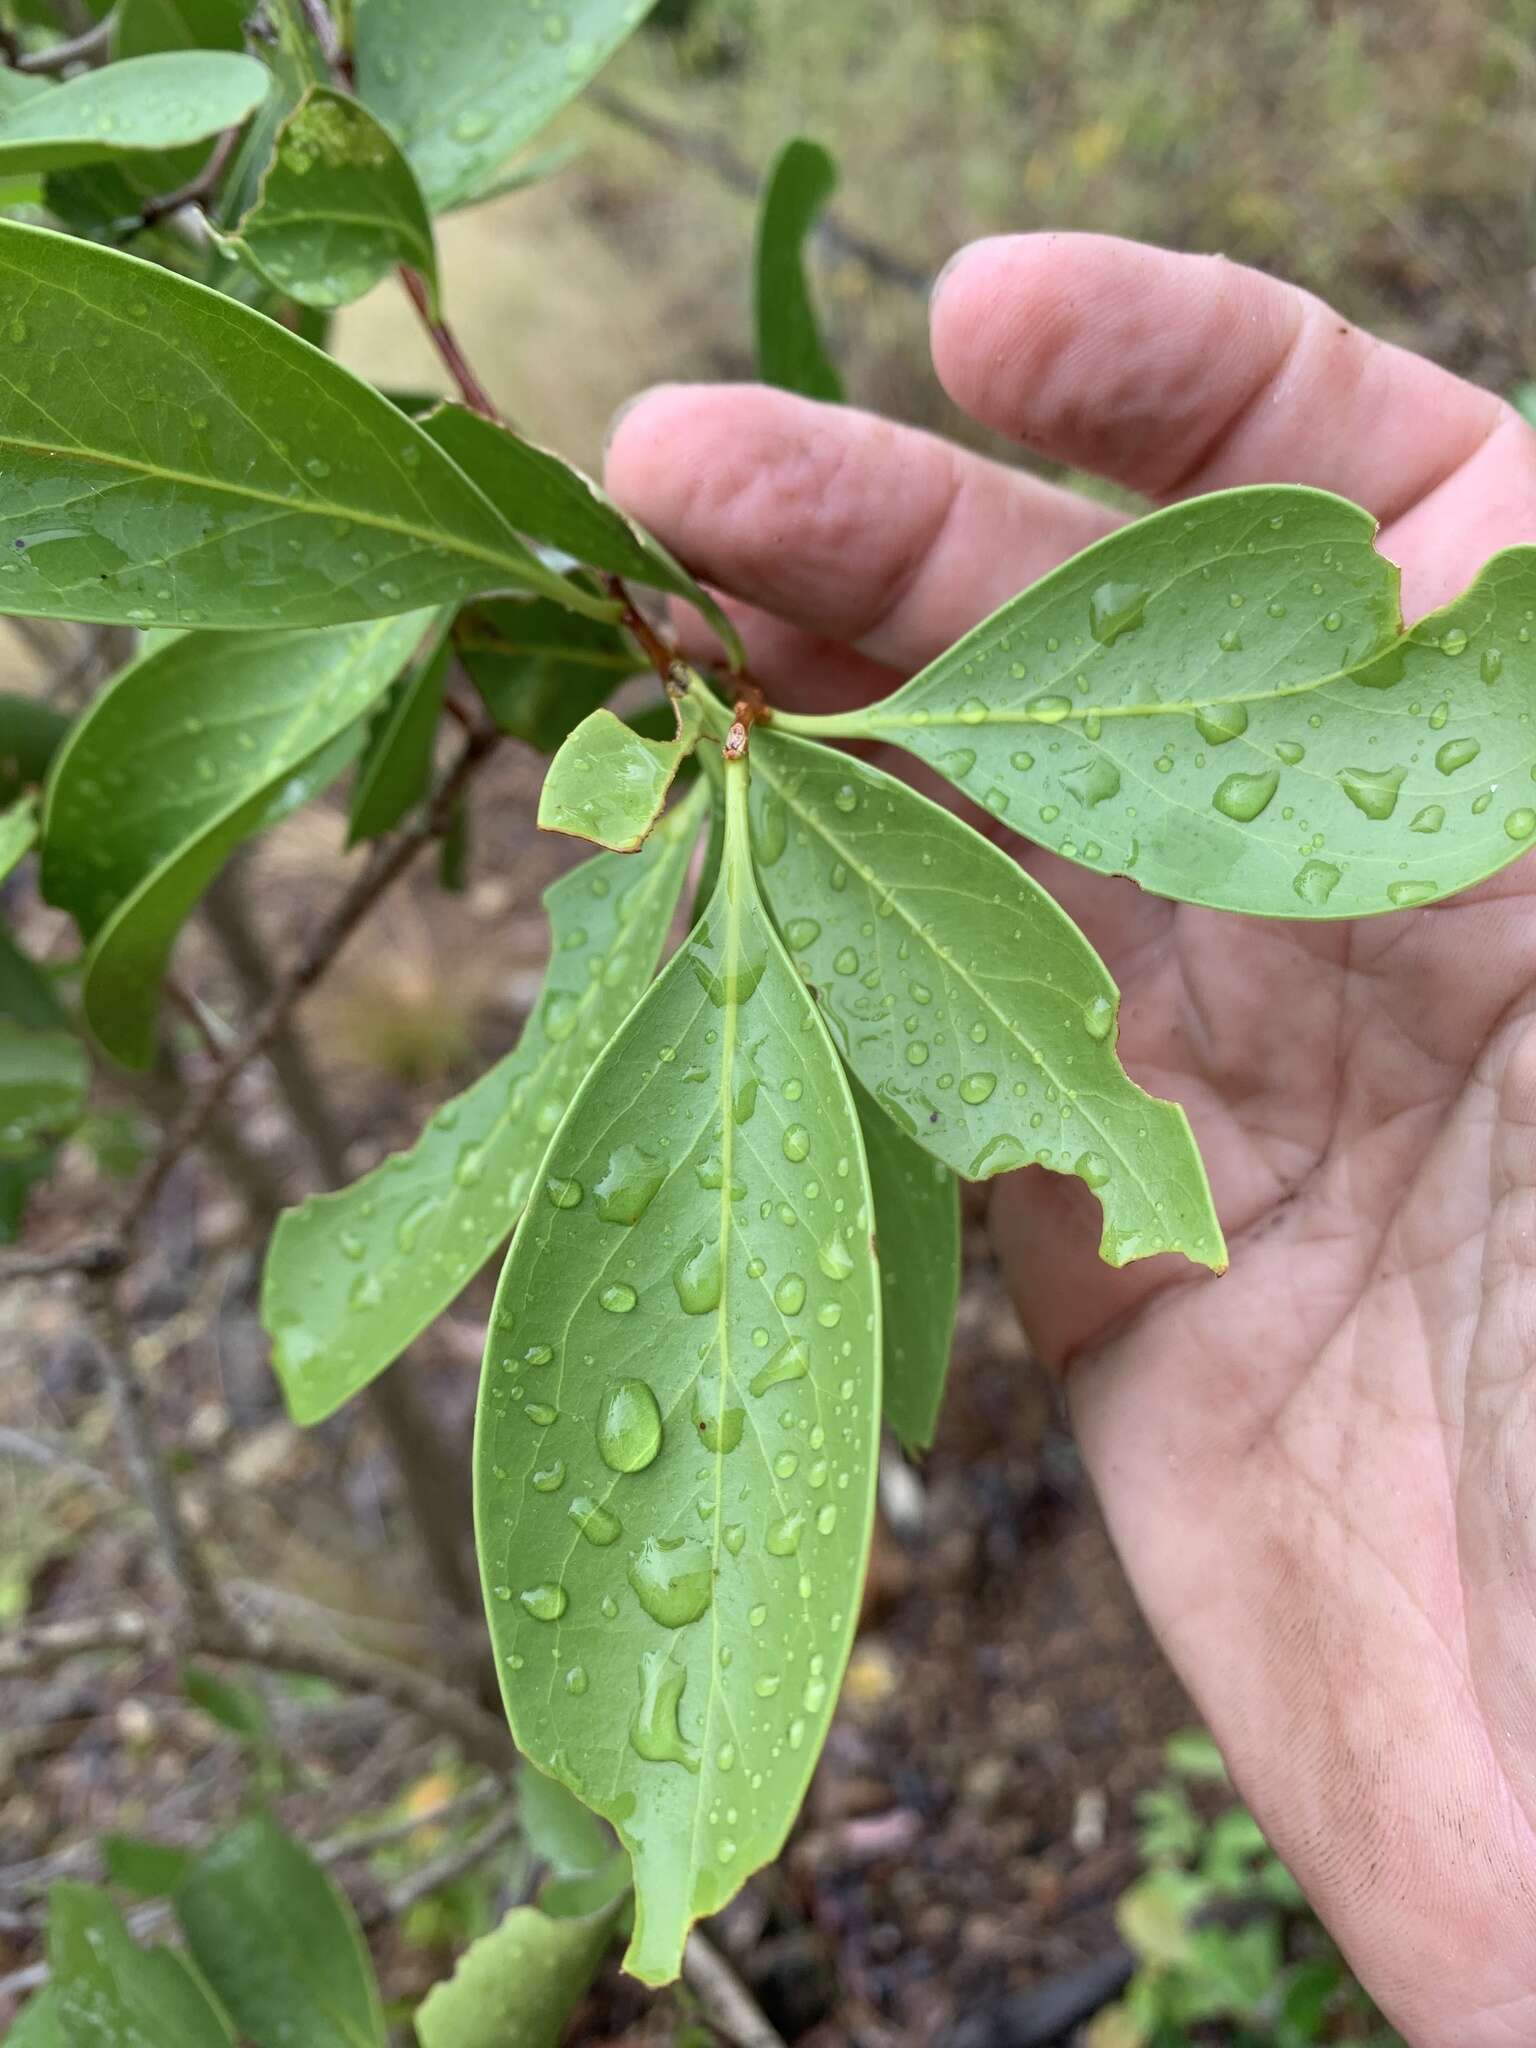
column 938, row 283
column 610, row 432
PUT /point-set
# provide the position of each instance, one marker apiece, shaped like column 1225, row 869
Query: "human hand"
column 1320, row 1469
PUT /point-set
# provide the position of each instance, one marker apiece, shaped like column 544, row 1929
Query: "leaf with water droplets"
column 144, row 103
column 395, row 771
column 277, row 1941
column 967, row 1002
column 110, row 1993
column 917, row 1230
column 189, row 752
column 337, row 209
column 517, row 1986
column 352, row 1277
column 551, row 501
column 715, row 1395
column 608, row 783
column 170, row 457
column 465, row 85
column 1221, row 702
column 790, row 350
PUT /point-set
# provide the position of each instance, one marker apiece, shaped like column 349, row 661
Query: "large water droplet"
column 673, row 1579
column 1404, row 895
column 629, row 1184
column 413, row 1222
column 545, row 1603
column 1430, row 819
column 790, row 1362
column 698, row 1277
column 1316, row 881
column 1093, row 781
column 977, row 1087
column 1099, row 1018
column 1092, row 1167
column 789, row 1295
column 1243, row 797
column 1456, row 754
column 1114, row 609
column 1520, row 824
column 718, row 1424
column 834, row 1257
column 783, row 1538
column 618, row 1297
column 654, row 1733
column 1218, row 723
column 564, row 1192
column 629, row 1426
column 801, row 932
column 550, row 1478
column 596, row 1523
column 1453, row 641
column 771, row 833
column 1372, row 790
column 796, row 1142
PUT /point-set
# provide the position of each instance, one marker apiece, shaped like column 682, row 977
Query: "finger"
column 1178, row 374
column 848, row 526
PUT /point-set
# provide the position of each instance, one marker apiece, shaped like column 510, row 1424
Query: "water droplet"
column 1453, row 641
column 1406, row 894
column 789, row 1295
column 595, row 1521
column 768, row 1685
column 796, row 1142
column 1430, row 819
column 826, row 1519
column 977, row 1087
column 628, row 1185
column 471, row 125
column 540, row 1413
column 366, row 1291
column 783, row 1538
column 576, row 1681
column 1218, row 723
column 1243, row 797
column 1438, row 717
column 537, row 1354
column 771, row 835
column 654, row 1733
column 834, row 1258
column 629, row 1427
column 1099, row 1018
column 1316, row 881
column 673, row 1579
column 563, row 1192
column 618, row 1298
column 845, row 798
column 413, row 1222
column 1332, row 621
column 1092, row 781
column 1457, row 754
column 1092, row 1168
column 1049, row 709
column 698, row 1277
column 917, row 1053
column 717, row 1424
column 1491, row 667
column 317, row 466
column 469, row 1167
column 1022, row 761
column 1115, row 609
column 546, row 1602
column 1290, row 752
column 550, row 1478
column 1520, row 824
column 790, row 1362
column 801, row 932
column 1373, row 791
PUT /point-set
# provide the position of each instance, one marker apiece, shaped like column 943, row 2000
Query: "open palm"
column 1319, row 1469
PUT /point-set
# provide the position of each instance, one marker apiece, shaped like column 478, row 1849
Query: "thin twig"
column 95, row 1257
column 194, row 192
column 147, row 1467
column 448, row 1868
column 727, row 2003
column 454, row 360
column 323, row 27
column 89, row 47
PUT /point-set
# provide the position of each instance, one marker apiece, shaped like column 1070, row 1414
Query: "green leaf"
column 147, row 103
column 464, row 86
column 338, row 207
column 150, row 1870
column 186, row 754
column 142, row 28
column 917, row 1230
column 277, row 489
column 679, row 1419
column 550, row 500
column 1192, row 1753
column 18, row 832
column 239, row 1708
column 40, row 2023
column 352, row 1277
column 279, row 1943
column 999, row 1048
column 517, row 1986
column 790, row 350
column 112, row 1994
column 30, row 735
column 396, row 770
column 608, row 783
column 1221, row 702
column 540, row 668
column 44, row 1076
column 557, row 1827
